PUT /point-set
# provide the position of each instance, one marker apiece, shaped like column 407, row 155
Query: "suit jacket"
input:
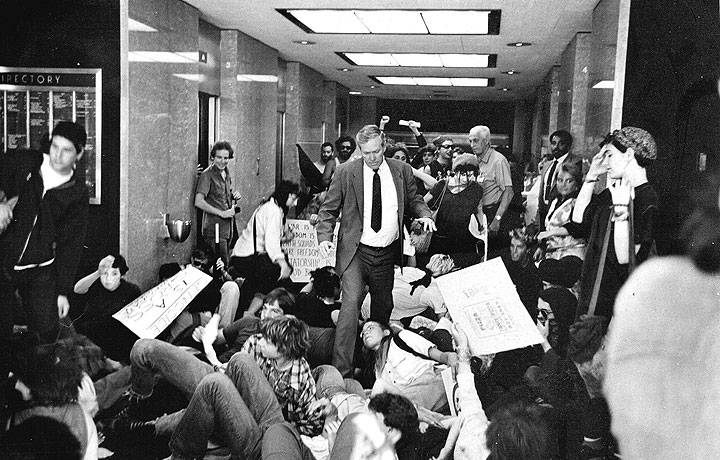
column 542, row 206
column 346, row 195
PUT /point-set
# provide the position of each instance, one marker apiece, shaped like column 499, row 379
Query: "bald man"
column 496, row 181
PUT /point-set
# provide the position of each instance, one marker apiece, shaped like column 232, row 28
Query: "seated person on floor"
column 50, row 383
column 276, row 303
column 104, row 292
column 320, row 306
column 268, row 382
column 415, row 292
column 183, row 370
column 220, row 296
column 406, row 364
column 522, row 270
column 343, row 428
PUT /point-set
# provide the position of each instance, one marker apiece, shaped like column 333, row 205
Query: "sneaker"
column 128, row 426
column 128, row 405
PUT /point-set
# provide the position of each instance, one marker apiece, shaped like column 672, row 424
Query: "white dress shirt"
column 551, row 180
column 389, row 230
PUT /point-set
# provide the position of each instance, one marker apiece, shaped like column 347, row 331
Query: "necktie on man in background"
column 376, row 216
column 549, row 182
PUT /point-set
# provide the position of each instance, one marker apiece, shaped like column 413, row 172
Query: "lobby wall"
column 162, row 137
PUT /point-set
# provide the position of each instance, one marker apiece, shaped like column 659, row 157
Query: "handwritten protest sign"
column 303, row 253
column 483, row 300
column 148, row 315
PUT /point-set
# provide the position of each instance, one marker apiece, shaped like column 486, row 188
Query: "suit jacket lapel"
column 358, row 185
column 399, row 186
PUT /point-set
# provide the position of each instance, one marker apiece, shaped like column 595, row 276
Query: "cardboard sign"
column 303, row 252
column 482, row 299
column 148, row 315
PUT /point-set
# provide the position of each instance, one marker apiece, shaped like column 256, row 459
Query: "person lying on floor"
column 268, row 382
column 151, row 358
column 396, row 415
column 405, row 363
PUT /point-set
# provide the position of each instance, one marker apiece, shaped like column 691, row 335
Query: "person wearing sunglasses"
column 443, row 162
column 628, row 206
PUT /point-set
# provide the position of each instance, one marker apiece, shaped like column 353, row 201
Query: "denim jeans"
column 238, row 407
column 151, row 357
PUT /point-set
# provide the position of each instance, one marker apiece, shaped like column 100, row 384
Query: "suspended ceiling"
column 548, row 24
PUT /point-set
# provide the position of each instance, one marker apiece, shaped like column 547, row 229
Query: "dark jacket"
column 43, row 227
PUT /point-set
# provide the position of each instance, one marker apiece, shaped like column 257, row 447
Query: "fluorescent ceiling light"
column 257, row 78
column 399, row 21
column 457, row 22
column 392, row 21
column 482, row 82
column 418, row 59
column 372, row 59
column 137, row 26
column 183, row 57
column 397, row 80
column 354, row 93
column 190, row 76
column 464, row 60
column 605, row 84
column 433, row 81
column 331, row 21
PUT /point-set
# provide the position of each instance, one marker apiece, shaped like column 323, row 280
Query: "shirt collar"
column 383, row 167
column 485, row 158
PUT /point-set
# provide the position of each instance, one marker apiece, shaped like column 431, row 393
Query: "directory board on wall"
column 34, row 100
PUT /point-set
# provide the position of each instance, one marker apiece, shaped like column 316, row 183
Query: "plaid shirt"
column 294, row 388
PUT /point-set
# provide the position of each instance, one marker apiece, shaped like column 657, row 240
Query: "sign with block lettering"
column 303, row 252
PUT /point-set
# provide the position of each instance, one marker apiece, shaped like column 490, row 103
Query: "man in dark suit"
column 373, row 196
column 560, row 144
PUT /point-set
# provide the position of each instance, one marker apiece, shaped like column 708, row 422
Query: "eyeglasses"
column 447, row 146
column 346, row 147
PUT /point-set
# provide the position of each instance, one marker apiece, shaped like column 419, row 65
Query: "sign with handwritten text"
column 303, row 253
column 148, row 315
column 483, row 300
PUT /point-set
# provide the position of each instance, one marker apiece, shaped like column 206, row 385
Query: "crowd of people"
column 350, row 365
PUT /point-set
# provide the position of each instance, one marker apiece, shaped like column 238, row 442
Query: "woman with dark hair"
column 405, row 364
column 257, row 255
column 458, row 200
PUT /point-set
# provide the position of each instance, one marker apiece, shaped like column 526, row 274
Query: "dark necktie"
column 549, row 183
column 376, row 216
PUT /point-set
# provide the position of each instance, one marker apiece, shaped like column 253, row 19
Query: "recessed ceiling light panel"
column 399, row 21
column 392, row 21
column 519, row 44
column 330, row 21
column 435, row 81
column 467, row 60
column 457, row 22
column 418, row 60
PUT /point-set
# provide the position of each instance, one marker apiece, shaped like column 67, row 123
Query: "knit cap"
column 639, row 140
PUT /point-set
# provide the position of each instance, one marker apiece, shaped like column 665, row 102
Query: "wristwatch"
column 498, row 218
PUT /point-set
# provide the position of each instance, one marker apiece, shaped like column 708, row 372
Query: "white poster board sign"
column 303, row 252
column 148, row 315
column 482, row 298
